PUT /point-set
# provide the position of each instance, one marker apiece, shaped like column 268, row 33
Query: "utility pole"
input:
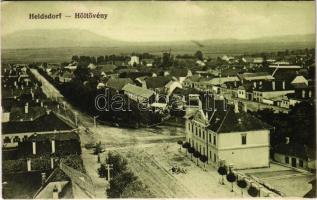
column 95, row 122
column 109, row 167
column 76, row 120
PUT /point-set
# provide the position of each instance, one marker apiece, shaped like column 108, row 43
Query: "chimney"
column 273, row 85
column 283, row 85
column 43, row 178
column 53, row 146
column 34, row 148
column 236, row 107
column 55, row 192
column 26, row 108
column 52, row 163
column 28, row 164
column 287, row 140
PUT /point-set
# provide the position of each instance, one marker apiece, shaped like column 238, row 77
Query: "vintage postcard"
column 158, row 99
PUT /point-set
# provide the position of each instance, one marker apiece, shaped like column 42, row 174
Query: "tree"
column 119, row 163
column 98, row 148
column 180, row 144
column 75, row 58
column 222, row 171
column 166, row 60
column 191, row 150
column 119, row 183
column 199, row 55
column 100, row 59
column 252, row 191
column 203, row 159
column 242, row 184
column 197, row 155
column 82, row 72
column 102, row 171
column 231, row 178
column 186, row 145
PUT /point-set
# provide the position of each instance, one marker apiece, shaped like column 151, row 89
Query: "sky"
column 168, row 21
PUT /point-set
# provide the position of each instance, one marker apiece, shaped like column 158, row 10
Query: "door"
column 293, row 162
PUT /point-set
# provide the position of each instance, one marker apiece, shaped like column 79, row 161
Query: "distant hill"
column 83, row 38
column 55, row 38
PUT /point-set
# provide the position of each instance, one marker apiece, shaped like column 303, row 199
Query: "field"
column 58, row 55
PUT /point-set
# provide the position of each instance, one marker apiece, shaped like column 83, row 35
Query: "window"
column 214, row 139
column 286, row 159
column 303, row 93
column 199, row 132
column 203, row 134
column 209, row 138
column 301, row 163
column 215, row 158
column 192, row 128
column 243, row 139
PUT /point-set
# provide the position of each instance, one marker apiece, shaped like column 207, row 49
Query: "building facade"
column 229, row 135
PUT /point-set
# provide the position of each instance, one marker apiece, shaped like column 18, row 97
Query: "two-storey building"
column 224, row 133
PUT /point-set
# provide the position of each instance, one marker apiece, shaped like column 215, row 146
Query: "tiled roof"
column 55, row 136
column 222, row 80
column 194, row 78
column 34, row 112
column 44, row 123
column 126, row 70
column 106, row 68
column 179, row 72
column 139, row 91
column 118, row 83
column 295, row 149
column 222, row 121
column 299, row 85
column 157, row 82
column 268, row 86
column 230, row 72
column 256, row 76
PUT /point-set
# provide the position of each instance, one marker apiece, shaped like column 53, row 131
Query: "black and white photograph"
column 158, row 99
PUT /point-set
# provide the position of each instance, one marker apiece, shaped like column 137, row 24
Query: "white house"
column 134, row 60
column 226, row 134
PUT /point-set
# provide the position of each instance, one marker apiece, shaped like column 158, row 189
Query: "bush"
column 124, row 183
column 102, row 171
